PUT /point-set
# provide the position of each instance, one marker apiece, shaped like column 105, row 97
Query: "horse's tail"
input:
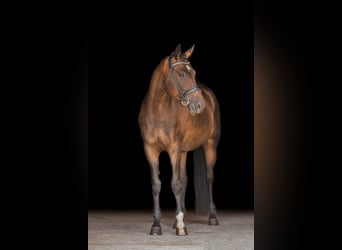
column 200, row 182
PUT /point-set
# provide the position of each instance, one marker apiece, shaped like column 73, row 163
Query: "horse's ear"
column 177, row 51
column 188, row 53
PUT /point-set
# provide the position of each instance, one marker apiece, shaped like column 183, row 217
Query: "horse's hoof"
column 213, row 221
column 181, row 231
column 156, row 231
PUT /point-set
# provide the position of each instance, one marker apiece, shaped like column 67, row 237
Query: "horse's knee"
column 210, row 176
column 156, row 187
column 177, row 186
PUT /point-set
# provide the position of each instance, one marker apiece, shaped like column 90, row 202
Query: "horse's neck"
column 160, row 103
column 159, row 99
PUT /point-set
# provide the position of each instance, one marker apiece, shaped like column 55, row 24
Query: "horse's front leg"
column 178, row 183
column 153, row 159
column 183, row 166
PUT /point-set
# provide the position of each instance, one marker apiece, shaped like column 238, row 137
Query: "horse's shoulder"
column 205, row 87
column 208, row 91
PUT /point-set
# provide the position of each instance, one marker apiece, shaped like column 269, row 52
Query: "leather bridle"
column 183, row 95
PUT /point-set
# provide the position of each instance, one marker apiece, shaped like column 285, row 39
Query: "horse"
column 178, row 114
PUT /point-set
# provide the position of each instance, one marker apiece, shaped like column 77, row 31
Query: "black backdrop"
column 122, row 60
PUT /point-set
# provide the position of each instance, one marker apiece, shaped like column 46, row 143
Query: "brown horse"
column 179, row 115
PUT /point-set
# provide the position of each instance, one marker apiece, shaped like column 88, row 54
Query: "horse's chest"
column 163, row 134
column 188, row 138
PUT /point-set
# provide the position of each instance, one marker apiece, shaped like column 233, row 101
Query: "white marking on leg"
column 179, row 217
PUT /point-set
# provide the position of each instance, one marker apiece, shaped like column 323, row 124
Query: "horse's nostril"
column 198, row 106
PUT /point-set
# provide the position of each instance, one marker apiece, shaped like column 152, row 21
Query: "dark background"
column 122, row 60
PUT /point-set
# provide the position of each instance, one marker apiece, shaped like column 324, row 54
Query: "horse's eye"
column 181, row 74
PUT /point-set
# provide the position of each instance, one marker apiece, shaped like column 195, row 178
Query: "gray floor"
column 127, row 230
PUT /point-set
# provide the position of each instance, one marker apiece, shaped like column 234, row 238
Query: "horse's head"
column 181, row 83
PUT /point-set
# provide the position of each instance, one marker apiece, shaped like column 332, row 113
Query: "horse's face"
column 181, row 81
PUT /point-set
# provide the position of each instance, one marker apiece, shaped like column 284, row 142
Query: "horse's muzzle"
column 196, row 107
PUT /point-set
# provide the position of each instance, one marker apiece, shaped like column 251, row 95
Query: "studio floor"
column 128, row 230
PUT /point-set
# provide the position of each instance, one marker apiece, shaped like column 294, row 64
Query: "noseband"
column 184, row 99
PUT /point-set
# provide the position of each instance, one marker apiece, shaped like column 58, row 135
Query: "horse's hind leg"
column 178, row 184
column 210, row 156
column 152, row 158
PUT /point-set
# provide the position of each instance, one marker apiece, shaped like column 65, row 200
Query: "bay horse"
column 178, row 115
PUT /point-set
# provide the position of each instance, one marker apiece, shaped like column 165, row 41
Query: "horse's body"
column 179, row 115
